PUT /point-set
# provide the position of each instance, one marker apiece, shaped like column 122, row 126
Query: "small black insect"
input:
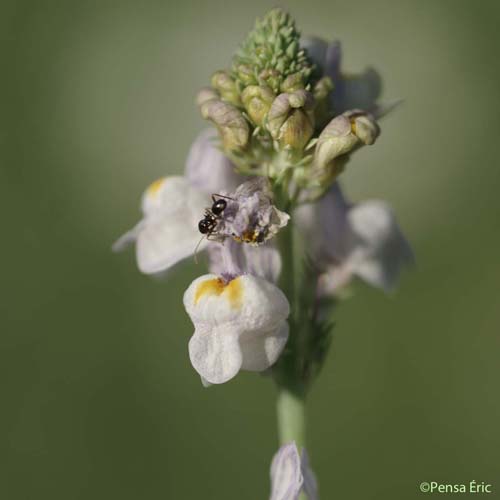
column 207, row 225
column 212, row 215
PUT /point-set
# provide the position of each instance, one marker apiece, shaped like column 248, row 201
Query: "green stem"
column 291, row 417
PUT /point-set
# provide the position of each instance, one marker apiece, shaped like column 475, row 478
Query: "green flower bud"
column 245, row 74
column 290, row 119
column 230, row 122
column 344, row 133
column 272, row 50
column 257, row 101
column 226, row 86
column 292, row 83
column 271, row 78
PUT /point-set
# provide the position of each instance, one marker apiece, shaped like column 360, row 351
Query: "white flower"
column 173, row 206
column 240, row 324
column 347, row 240
column 168, row 230
column 291, row 475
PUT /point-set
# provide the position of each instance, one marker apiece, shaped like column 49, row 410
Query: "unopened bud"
column 257, row 101
column 226, row 86
column 343, row 134
column 292, row 83
column 272, row 78
column 290, row 119
column 230, row 122
column 364, row 126
column 206, row 94
column 246, row 74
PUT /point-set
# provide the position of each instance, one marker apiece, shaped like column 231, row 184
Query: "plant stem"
column 290, row 408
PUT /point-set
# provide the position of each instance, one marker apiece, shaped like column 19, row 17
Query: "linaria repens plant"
column 258, row 186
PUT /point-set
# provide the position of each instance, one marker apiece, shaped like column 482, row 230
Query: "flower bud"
column 343, row 134
column 257, row 101
column 292, row 83
column 290, row 120
column 231, row 124
column 206, row 94
column 272, row 78
column 363, row 126
column 245, row 74
column 226, row 86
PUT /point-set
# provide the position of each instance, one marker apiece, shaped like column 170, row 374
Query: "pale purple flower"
column 350, row 91
column 207, row 168
column 347, row 240
column 263, row 260
column 291, row 475
column 250, row 215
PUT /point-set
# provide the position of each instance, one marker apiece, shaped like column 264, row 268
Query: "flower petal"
column 345, row 240
column 310, row 483
column 263, row 261
column 215, row 353
column 286, row 474
column 379, row 249
column 165, row 242
column 168, row 232
column 207, row 168
column 240, row 319
column 249, row 302
column 261, row 352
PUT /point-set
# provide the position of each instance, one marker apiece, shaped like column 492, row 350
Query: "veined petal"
column 262, row 351
column 263, row 261
column 207, row 168
column 215, row 353
column 286, row 473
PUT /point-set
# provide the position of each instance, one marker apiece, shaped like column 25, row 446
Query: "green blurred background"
column 99, row 399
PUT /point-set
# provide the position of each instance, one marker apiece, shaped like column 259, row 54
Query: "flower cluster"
column 287, row 120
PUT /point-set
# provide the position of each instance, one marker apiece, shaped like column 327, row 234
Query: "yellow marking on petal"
column 156, row 186
column 353, row 127
column 232, row 291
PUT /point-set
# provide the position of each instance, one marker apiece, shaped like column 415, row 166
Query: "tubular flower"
column 285, row 122
column 291, row 475
column 347, row 240
column 240, row 324
column 350, row 91
column 167, row 232
column 172, row 207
